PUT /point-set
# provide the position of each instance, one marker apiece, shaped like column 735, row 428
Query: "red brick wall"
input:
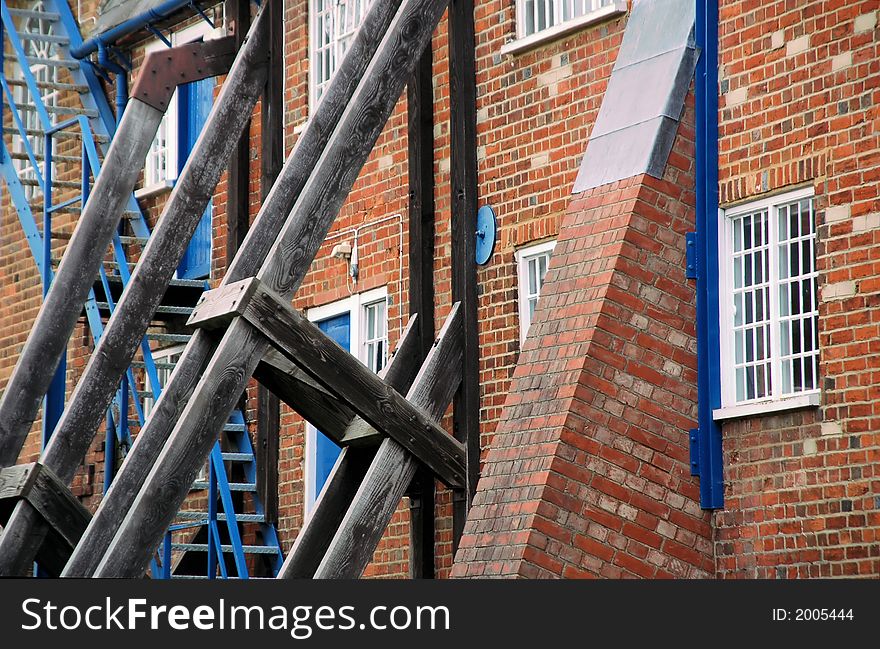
column 799, row 105
column 535, row 111
column 588, row 473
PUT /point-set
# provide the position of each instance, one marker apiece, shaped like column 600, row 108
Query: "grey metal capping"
column 638, row 120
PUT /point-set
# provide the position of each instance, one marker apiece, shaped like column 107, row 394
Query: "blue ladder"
column 38, row 98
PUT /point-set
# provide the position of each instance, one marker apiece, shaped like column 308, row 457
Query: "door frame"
column 354, row 307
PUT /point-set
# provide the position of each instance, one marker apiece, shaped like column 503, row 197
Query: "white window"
column 531, row 263
column 534, row 16
column 332, row 28
column 366, row 317
column 375, row 335
column 160, row 166
column 768, row 305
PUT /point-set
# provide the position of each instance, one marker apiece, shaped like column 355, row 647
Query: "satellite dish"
column 487, row 230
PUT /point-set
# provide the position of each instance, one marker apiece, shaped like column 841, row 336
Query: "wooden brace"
column 382, row 407
column 47, row 494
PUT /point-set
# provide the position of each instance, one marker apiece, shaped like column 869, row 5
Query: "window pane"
column 798, row 325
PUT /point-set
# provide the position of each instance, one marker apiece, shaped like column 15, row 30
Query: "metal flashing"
column 638, row 120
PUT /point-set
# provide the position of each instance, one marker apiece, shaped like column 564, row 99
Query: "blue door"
column 326, row 450
column 195, row 101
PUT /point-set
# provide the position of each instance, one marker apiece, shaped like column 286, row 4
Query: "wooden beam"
column 271, row 161
column 241, row 348
column 463, row 186
column 61, row 309
column 308, row 399
column 49, row 496
column 351, row 466
column 238, row 16
column 393, row 467
column 305, row 156
column 420, row 151
column 124, row 332
column 353, row 383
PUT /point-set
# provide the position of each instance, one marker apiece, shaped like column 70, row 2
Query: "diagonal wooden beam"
column 242, row 346
column 351, row 466
column 124, row 332
column 393, row 467
column 341, row 374
column 311, row 401
column 304, row 157
column 47, row 340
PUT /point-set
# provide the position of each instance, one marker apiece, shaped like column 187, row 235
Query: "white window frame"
column 338, row 44
column 170, row 121
column 355, row 306
column 522, row 256
column 600, row 10
column 775, row 402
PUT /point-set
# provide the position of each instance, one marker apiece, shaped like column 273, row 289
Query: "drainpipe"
column 129, row 26
column 706, row 453
column 105, row 62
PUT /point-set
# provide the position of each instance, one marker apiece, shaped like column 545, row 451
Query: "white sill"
column 616, row 8
column 154, row 189
column 808, row 400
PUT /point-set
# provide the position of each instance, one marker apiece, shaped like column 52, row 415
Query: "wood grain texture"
column 312, row 402
column 354, row 384
column 348, row 472
column 257, row 244
column 463, row 189
column 393, row 467
column 271, row 161
column 47, row 340
column 158, row 262
column 420, row 163
column 239, row 352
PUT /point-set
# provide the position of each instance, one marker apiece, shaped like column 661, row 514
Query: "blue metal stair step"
column 245, row 487
column 171, row 310
column 57, row 157
column 169, row 338
column 68, row 64
column 229, row 428
column 66, row 135
column 44, row 38
column 28, row 13
column 203, row 547
column 51, row 85
column 201, row 517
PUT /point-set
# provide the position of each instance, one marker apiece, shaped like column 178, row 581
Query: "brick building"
column 589, row 394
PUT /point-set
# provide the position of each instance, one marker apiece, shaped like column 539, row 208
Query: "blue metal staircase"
column 57, row 124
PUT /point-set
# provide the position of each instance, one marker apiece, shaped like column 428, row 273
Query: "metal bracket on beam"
column 164, row 70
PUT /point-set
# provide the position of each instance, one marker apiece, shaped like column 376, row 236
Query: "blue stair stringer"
column 35, row 125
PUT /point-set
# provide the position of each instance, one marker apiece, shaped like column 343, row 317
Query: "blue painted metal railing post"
column 53, row 403
column 706, row 452
column 214, row 551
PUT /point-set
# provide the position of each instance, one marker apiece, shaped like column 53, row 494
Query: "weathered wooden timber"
column 351, row 466
column 47, row 340
column 240, row 350
column 256, row 246
column 393, row 467
column 420, row 164
column 463, row 189
column 157, row 264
